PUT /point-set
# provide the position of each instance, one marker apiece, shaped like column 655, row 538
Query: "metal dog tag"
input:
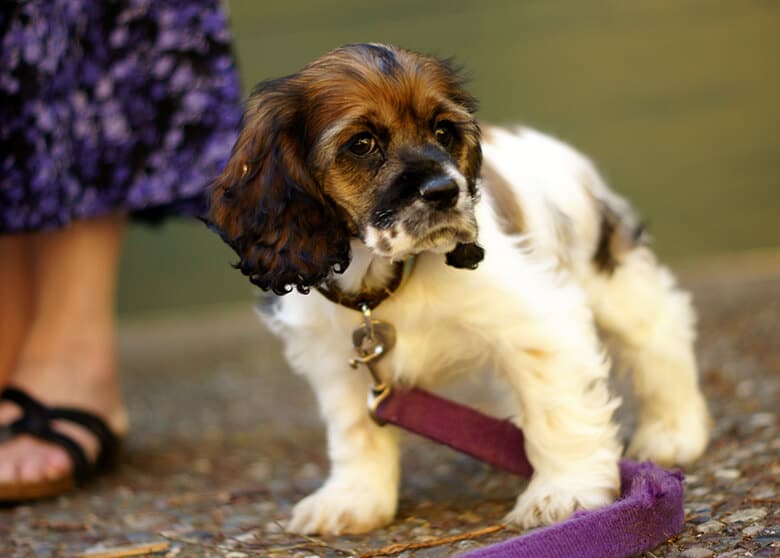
column 367, row 339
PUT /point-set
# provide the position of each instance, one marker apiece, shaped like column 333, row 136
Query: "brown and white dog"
column 371, row 155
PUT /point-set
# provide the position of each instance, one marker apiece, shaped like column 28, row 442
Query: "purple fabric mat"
column 649, row 511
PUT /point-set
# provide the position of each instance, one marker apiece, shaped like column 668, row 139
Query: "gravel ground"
column 225, row 441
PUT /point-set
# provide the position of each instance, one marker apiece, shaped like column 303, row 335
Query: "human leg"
column 68, row 355
column 16, row 298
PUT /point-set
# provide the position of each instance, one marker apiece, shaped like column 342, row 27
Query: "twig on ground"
column 312, row 541
column 310, row 544
column 125, row 551
column 401, row 547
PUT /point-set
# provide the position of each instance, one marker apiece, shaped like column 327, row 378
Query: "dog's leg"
column 361, row 492
column 551, row 356
column 640, row 306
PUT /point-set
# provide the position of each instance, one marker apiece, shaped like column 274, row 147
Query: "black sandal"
column 36, row 421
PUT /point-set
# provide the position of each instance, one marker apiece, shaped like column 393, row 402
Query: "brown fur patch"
column 394, row 94
column 503, row 200
column 618, row 233
column 537, row 353
column 384, row 244
column 616, row 238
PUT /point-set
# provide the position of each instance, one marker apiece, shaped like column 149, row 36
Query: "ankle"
column 90, row 347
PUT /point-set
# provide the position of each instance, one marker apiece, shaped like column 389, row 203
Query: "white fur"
column 528, row 312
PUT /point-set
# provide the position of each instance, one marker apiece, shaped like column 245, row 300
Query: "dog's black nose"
column 441, row 191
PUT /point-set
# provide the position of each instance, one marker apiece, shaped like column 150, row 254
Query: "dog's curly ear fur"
column 268, row 207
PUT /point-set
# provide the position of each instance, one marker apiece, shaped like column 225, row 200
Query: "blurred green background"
column 677, row 102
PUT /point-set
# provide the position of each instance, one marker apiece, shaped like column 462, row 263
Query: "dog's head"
column 369, row 141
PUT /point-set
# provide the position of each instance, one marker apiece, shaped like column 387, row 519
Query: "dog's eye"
column 445, row 134
column 362, row 144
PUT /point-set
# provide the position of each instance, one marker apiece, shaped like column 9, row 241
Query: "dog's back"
column 551, row 196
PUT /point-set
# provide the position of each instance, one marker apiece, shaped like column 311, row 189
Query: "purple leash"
column 648, row 512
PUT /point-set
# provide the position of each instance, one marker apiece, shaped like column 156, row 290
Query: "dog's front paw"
column 344, row 505
column 676, row 438
column 549, row 499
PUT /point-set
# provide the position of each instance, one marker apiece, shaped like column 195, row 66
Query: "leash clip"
column 371, row 341
column 376, row 395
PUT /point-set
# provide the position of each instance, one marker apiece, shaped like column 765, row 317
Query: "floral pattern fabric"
column 112, row 105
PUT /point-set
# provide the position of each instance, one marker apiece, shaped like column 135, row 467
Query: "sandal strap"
column 21, row 398
column 82, row 469
column 108, row 442
column 36, row 421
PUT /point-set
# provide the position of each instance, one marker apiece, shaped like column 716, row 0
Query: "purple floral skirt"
column 112, row 106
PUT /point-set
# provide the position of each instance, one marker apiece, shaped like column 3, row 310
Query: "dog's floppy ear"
column 268, row 207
